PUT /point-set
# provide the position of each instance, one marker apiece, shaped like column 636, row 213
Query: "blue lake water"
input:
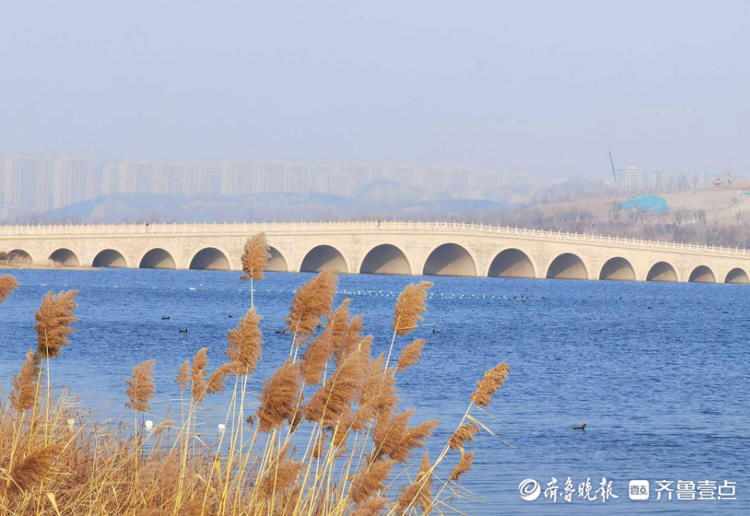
column 658, row 372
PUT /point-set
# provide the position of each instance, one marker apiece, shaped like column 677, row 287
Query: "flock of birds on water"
column 364, row 293
column 361, row 293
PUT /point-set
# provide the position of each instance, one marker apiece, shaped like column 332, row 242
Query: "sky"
column 546, row 88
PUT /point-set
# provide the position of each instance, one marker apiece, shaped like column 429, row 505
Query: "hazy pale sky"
column 542, row 87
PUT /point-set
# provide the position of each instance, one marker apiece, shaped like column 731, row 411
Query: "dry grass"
column 254, row 260
column 410, row 306
column 25, row 384
column 492, row 380
column 53, row 322
column 279, row 396
column 245, row 342
column 312, row 301
column 7, row 285
column 462, row 434
column 337, row 398
column 255, row 256
column 463, row 466
column 141, row 388
column 410, row 355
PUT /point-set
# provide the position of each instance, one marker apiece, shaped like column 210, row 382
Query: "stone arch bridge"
column 408, row 248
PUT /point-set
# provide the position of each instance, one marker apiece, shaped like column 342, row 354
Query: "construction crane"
column 720, row 181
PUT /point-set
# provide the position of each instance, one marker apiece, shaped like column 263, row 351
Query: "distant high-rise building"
column 638, row 180
column 34, row 184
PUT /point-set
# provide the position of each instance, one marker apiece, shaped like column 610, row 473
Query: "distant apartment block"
column 638, row 180
column 34, row 184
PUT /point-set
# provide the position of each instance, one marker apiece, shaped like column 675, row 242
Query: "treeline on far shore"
column 687, row 226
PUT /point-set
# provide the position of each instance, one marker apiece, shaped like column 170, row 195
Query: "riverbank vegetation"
column 327, row 435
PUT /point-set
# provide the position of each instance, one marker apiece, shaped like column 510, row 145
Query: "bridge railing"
column 371, row 225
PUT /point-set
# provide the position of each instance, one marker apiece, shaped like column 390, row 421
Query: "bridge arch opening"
column 512, row 263
column 567, row 266
column 662, row 271
column 449, row 260
column 276, row 261
column 18, row 257
column 210, row 259
column 385, row 259
column 702, row 274
column 324, row 258
column 737, row 275
column 617, row 269
column 65, row 258
column 157, row 259
column 109, row 258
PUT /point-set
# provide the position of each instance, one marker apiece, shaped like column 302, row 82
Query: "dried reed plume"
column 279, row 397
column 255, row 256
column 410, row 306
column 491, row 381
column 167, row 423
column 338, row 326
column 30, row 472
column 281, row 477
column 23, row 395
column 463, row 466
column 245, row 343
column 198, row 375
column 53, row 322
column 410, row 354
column 141, row 387
column 370, row 479
column 7, row 284
column 338, row 321
column 183, row 377
column 420, row 492
column 371, row 507
column 329, row 403
column 351, row 338
column 316, row 355
column 217, row 379
column 365, row 345
column 394, row 438
column 462, row 434
column 378, row 392
column 312, row 301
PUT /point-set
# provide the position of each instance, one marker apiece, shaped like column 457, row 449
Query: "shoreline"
column 39, row 266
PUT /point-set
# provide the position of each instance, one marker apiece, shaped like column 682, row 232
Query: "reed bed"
column 326, row 435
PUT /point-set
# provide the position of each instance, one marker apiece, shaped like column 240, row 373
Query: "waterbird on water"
column 582, row 427
column 165, row 318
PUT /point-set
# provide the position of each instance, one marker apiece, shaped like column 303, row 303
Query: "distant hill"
column 259, row 207
column 715, row 215
column 709, row 215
